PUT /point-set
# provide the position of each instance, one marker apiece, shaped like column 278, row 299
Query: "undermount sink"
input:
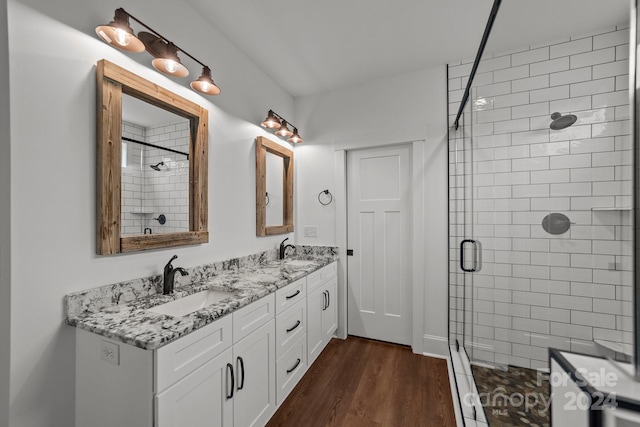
column 191, row 303
column 297, row 262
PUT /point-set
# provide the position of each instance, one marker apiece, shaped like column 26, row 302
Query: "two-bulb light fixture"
column 275, row 121
column 118, row 33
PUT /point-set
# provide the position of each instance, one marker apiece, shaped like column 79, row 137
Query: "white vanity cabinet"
column 322, row 313
column 232, row 372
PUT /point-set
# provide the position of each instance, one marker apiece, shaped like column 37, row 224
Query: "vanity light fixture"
column 118, row 33
column 276, row 121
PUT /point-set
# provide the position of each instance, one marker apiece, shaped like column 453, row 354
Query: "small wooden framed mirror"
column 174, row 225
column 274, row 188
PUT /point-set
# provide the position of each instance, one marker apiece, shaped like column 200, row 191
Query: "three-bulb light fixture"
column 275, row 121
column 118, row 33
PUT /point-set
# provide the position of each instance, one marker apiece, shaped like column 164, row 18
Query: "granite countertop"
column 133, row 324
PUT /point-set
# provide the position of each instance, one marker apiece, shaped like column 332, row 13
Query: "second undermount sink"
column 191, row 303
column 297, row 262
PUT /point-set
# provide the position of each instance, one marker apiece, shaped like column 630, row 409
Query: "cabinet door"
column 330, row 313
column 315, row 335
column 199, row 399
column 254, row 360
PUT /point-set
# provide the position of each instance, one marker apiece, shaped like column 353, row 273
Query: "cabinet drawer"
column 290, row 368
column 179, row 358
column 318, row 277
column 290, row 294
column 290, row 326
column 251, row 317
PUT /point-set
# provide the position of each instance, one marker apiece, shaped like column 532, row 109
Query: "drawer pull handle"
column 293, row 328
column 325, row 303
column 294, row 367
column 293, row 295
column 230, row 369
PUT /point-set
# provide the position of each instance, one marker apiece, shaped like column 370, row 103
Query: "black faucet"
column 168, row 279
column 283, row 248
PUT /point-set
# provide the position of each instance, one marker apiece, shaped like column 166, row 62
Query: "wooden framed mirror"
column 187, row 165
column 274, row 188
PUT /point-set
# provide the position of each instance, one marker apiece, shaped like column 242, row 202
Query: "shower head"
column 156, row 167
column 562, row 122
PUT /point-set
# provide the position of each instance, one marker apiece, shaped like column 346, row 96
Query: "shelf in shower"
column 628, row 208
column 143, row 211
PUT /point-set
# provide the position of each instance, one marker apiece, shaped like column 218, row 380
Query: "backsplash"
column 95, row 299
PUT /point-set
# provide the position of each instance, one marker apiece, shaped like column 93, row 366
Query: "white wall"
column 52, row 54
column 5, row 219
column 403, row 108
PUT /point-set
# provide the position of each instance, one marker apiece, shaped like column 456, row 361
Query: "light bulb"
column 204, row 86
column 122, row 37
column 170, row 65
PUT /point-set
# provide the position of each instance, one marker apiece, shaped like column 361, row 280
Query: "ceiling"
column 310, row 46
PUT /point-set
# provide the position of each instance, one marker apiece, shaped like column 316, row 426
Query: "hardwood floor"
column 359, row 382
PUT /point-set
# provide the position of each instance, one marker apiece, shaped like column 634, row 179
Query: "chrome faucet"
column 283, row 248
column 168, row 279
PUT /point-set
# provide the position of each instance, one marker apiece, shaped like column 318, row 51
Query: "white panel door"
column 379, row 233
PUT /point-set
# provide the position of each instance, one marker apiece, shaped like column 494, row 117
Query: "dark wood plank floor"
column 359, row 382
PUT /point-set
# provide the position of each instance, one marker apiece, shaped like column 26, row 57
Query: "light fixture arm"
column 121, row 10
column 282, row 119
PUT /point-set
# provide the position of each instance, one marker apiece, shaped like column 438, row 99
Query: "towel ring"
column 323, row 199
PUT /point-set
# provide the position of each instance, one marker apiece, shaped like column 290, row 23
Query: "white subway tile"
column 525, row 351
column 622, row 83
column 610, row 306
column 572, row 189
column 491, row 64
column 549, row 176
column 611, row 128
column 530, row 137
column 511, row 100
column 550, row 149
column 510, row 126
column 570, row 246
column 555, row 287
column 571, row 48
column 512, row 73
column 592, row 87
column 550, row 94
column 571, row 331
column 576, row 274
column 512, row 336
column 611, row 69
column 512, row 257
column 530, row 83
column 512, row 205
column 623, row 173
column 592, row 58
column 527, row 57
column 531, row 271
column 586, row 203
column 622, row 52
column 597, row 290
column 536, row 163
column 596, row 116
column 493, row 166
column 493, row 115
column 621, row 113
column 551, row 204
column 613, row 38
column 552, row 66
column 514, row 152
column 592, row 232
column 571, row 161
column 530, row 325
column 593, row 319
column 553, row 314
column 512, row 178
column 571, row 302
column 527, row 217
column 551, row 260
column 573, row 132
column 515, row 231
column 611, row 99
column 491, row 141
column 592, row 174
column 616, row 158
column 547, row 341
column 537, row 190
column 571, row 105
column 534, row 245
column 570, row 77
column 592, row 145
column 493, row 90
column 608, row 188
column 539, row 109
column 607, row 247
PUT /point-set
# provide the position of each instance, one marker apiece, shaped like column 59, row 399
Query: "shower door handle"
column 475, row 257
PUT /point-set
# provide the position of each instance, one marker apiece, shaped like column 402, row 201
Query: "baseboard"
column 435, row 346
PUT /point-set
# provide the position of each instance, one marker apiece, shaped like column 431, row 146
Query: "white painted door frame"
column 418, row 238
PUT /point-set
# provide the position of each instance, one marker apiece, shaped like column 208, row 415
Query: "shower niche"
column 152, row 152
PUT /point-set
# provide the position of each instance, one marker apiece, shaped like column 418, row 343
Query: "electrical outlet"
column 110, row 352
column 310, row 231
